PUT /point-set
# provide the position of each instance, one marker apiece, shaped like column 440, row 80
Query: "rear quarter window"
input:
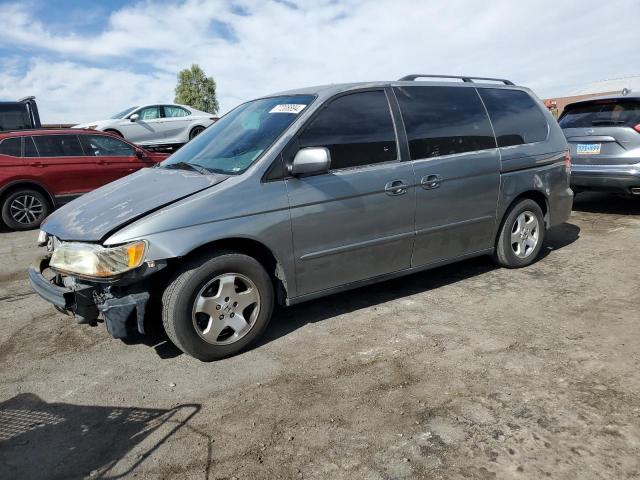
column 11, row 147
column 515, row 115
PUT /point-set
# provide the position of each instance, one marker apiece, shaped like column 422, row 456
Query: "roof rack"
column 410, row 78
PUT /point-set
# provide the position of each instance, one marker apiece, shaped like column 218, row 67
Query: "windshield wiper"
column 189, row 166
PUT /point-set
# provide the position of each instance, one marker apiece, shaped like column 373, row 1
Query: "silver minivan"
column 308, row 193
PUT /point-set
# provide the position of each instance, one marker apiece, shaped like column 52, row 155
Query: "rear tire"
column 195, row 132
column 521, row 235
column 217, row 305
column 25, row 209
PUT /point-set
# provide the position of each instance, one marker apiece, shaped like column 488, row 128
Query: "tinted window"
column 357, row 129
column 58, row 145
column 149, row 113
column 171, row 111
column 601, row 114
column 516, row 117
column 11, row 146
column 444, row 121
column 103, row 146
column 14, row 117
column 29, row 147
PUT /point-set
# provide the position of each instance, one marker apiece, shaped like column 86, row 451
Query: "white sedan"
column 162, row 124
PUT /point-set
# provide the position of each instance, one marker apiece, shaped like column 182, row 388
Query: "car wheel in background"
column 195, row 131
column 25, row 209
column 521, row 236
column 216, row 305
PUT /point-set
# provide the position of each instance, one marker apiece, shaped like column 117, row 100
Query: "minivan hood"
column 93, row 216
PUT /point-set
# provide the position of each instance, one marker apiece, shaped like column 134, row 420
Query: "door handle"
column 103, row 162
column 37, row 164
column 429, row 182
column 395, row 187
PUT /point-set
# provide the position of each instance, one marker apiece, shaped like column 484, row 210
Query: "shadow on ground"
column 40, row 440
column 598, row 202
column 286, row 320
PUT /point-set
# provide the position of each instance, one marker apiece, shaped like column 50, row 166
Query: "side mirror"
column 310, row 160
column 139, row 154
column 134, row 117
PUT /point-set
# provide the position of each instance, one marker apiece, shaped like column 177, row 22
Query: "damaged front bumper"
column 120, row 304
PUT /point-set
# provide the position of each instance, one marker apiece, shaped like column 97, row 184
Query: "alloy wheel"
column 26, row 209
column 524, row 234
column 226, row 309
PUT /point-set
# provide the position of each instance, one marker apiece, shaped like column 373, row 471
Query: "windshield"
column 603, row 113
column 123, row 113
column 235, row 141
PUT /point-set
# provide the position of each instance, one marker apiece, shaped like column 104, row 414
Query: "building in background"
column 604, row 87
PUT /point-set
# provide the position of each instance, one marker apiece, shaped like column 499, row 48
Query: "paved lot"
column 466, row 371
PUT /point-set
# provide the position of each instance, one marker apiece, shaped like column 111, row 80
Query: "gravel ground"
column 466, row 371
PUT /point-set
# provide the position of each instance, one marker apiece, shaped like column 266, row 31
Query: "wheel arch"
column 193, row 127
column 537, row 196
column 18, row 184
column 255, row 249
column 113, row 131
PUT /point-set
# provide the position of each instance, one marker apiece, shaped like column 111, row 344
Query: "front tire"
column 217, row 305
column 521, row 236
column 25, row 209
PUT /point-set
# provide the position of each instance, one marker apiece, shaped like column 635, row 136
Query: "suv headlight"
column 89, row 260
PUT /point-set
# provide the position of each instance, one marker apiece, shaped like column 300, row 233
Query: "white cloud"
column 553, row 47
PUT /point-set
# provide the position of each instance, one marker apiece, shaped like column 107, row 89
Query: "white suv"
column 161, row 124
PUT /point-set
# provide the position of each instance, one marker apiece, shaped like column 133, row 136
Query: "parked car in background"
column 604, row 136
column 321, row 190
column 155, row 125
column 20, row 115
column 43, row 169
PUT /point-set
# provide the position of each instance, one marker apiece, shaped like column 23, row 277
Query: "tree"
column 197, row 90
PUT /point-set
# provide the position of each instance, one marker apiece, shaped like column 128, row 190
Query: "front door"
column 146, row 129
column 356, row 221
column 457, row 168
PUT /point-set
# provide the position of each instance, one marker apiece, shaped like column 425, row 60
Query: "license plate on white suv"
column 588, row 148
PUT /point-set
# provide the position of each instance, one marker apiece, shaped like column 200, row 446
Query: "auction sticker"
column 288, row 108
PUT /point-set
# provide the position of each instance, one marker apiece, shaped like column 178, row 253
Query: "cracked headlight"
column 90, row 260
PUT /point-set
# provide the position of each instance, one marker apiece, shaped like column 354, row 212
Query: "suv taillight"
column 637, row 128
column 567, row 161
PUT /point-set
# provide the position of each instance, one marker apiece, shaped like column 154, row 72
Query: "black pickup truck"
column 20, row 115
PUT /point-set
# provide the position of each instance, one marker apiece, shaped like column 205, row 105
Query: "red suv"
column 43, row 169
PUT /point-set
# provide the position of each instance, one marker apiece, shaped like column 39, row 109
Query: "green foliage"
column 197, row 90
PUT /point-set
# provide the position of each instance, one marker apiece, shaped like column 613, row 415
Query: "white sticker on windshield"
column 288, row 108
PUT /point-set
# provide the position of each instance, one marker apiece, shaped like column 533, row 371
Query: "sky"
column 85, row 60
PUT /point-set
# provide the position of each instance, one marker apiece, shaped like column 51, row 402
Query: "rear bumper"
column 121, row 309
column 560, row 206
column 614, row 178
